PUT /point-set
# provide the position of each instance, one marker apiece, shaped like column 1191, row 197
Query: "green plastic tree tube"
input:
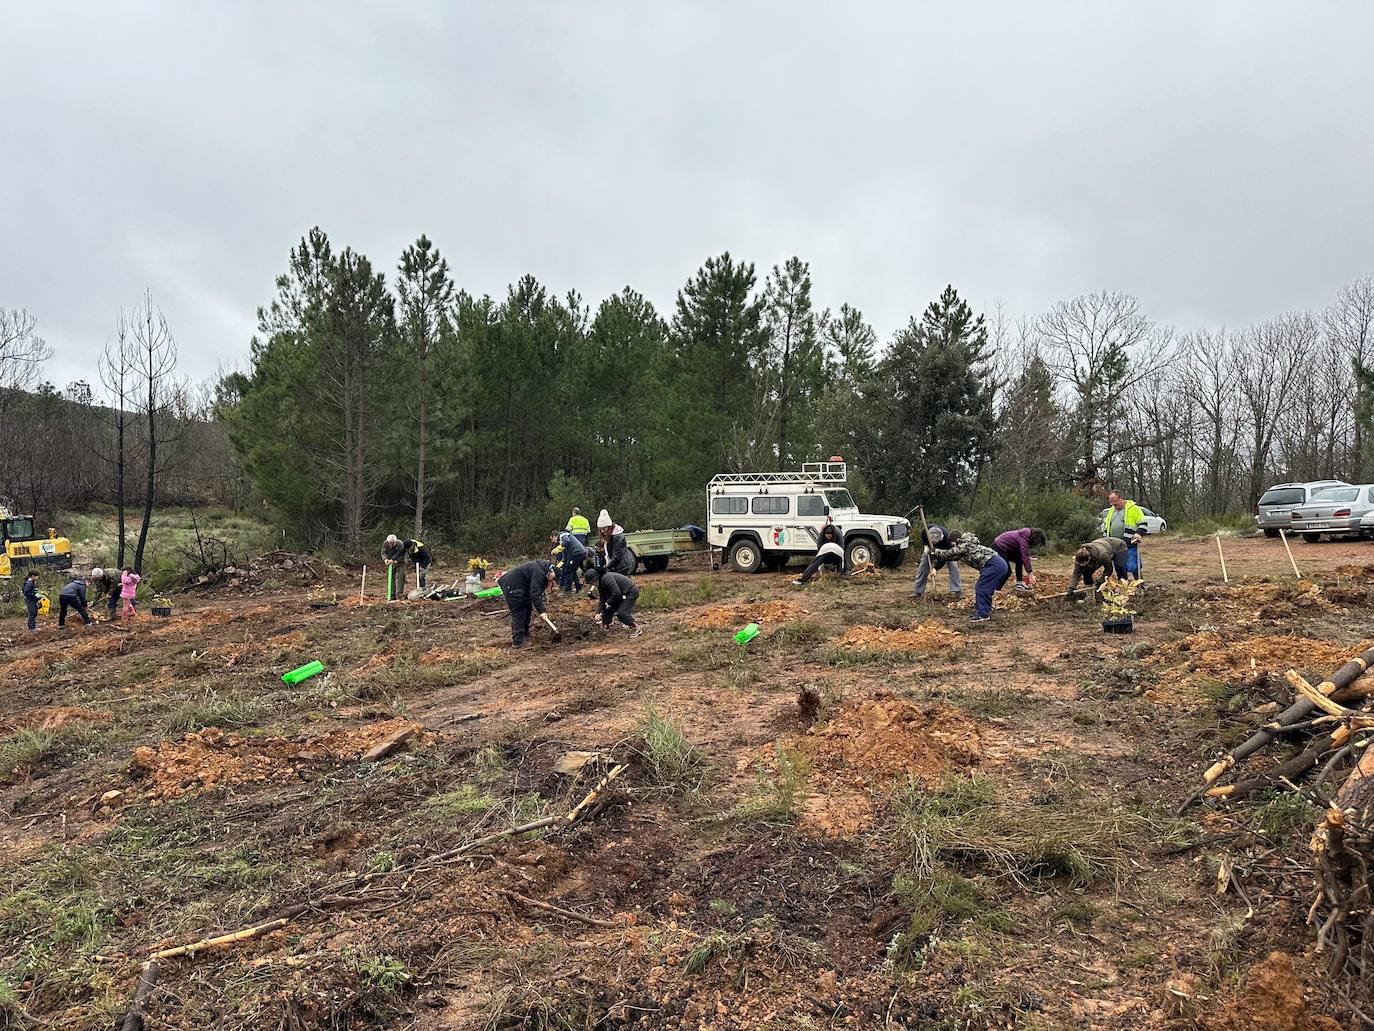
column 305, row 672
column 490, row 592
column 747, row 634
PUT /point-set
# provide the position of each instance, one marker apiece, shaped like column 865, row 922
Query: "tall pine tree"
column 941, row 406
column 796, row 361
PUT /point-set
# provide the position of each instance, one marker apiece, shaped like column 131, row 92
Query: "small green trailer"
column 653, row 549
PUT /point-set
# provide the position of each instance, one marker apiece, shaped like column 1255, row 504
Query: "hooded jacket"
column 613, row 588
column 963, row 547
column 525, row 584
column 618, row 557
column 1101, row 552
column 30, row 590
column 74, row 591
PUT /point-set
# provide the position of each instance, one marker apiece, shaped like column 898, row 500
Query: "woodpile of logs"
column 1329, row 728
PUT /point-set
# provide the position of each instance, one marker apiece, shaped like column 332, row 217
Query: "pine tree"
column 796, row 360
column 718, row 342
column 426, row 300
column 942, row 406
column 850, row 343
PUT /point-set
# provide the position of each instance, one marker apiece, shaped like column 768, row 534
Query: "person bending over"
column 829, row 552
column 992, row 569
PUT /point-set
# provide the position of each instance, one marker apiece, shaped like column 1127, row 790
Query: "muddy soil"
column 873, row 815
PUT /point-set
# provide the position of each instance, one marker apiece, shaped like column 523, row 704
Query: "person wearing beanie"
column 105, row 584
column 522, row 589
column 616, row 556
column 396, row 552
column 616, row 596
column 938, row 535
column 30, row 592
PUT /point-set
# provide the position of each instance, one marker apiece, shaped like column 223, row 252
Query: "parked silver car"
column 1336, row 511
column 1275, row 509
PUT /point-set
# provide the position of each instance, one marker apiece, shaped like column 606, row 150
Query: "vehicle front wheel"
column 746, row 556
column 861, row 551
column 1270, row 532
column 1311, row 538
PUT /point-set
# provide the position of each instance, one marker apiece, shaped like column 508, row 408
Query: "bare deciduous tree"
column 1101, row 346
column 1267, row 361
column 154, row 359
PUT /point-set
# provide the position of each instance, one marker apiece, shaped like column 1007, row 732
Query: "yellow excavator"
column 21, row 549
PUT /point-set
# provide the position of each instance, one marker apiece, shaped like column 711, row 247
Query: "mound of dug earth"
column 211, row 758
column 930, row 636
column 721, row 617
column 1211, row 655
column 1255, row 601
column 1274, row 998
column 878, row 739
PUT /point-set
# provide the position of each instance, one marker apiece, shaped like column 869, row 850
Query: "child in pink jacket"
column 128, row 588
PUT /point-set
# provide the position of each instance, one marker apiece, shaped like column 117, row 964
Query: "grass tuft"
column 212, row 709
column 970, row 820
column 779, row 788
column 27, row 748
column 671, row 759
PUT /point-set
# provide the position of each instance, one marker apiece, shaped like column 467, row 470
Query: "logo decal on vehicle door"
column 779, row 535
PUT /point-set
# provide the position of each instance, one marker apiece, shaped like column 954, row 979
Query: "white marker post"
column 362, row 591
column 1284, row 537
column 1222, row 555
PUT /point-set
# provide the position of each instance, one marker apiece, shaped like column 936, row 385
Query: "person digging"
column 1097, row 556
column 616, row 597
column 396, row 552
column 993, row 570
column 523, row 589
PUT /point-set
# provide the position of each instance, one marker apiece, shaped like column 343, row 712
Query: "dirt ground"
column 872, row 815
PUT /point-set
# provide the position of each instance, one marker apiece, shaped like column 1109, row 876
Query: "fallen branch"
column 549, row 907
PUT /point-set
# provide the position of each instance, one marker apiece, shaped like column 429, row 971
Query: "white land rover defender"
column 764, row 519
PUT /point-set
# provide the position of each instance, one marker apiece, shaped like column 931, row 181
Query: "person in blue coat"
column 572, row 554
column 30, row 592
column 73, row 596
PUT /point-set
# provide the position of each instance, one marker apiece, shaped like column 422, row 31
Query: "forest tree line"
column 408, row 401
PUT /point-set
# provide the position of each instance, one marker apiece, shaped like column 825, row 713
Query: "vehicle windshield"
column 1336, row 494
column 21, row 530
column 839, row 499
column 1282, row 496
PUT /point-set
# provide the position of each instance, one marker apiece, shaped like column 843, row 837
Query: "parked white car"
column 765, row 519
column 1152, row 523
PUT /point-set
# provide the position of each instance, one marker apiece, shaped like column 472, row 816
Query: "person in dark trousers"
column 615, row 553
column 578, row 526
column 1015, row 546
column 73, row 596
column 992, row 569
column 938, row 534
column 1123, row 520
column 106, row 585
column 523, row 588
column 396, row 552
column 829, row 552
column 616, row 597
column 571, row 554
column 30, row 592
column 1099, row 556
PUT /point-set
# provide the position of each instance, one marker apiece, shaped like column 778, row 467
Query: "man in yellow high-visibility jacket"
column 578, row 526
column 1122, row 520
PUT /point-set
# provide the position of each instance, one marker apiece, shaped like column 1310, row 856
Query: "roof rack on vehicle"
column 811, row 472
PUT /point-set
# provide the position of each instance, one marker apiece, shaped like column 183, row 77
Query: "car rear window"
column 1336, row 494
column 1283, row 496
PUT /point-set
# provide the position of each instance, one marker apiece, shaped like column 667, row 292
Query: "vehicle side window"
column 769, row 506
column 729, row 506
column 810, row 505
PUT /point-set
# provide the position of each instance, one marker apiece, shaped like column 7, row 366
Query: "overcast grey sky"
column 1216, row 160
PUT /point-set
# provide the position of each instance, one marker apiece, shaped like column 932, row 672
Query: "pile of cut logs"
column 1330, row 726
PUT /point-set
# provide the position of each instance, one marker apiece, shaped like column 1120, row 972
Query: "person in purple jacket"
column 1015, row 546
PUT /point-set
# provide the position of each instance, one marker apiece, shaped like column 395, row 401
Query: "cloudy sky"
column 1215, row 159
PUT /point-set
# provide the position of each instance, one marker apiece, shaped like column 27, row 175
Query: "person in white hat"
column 616, row 556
